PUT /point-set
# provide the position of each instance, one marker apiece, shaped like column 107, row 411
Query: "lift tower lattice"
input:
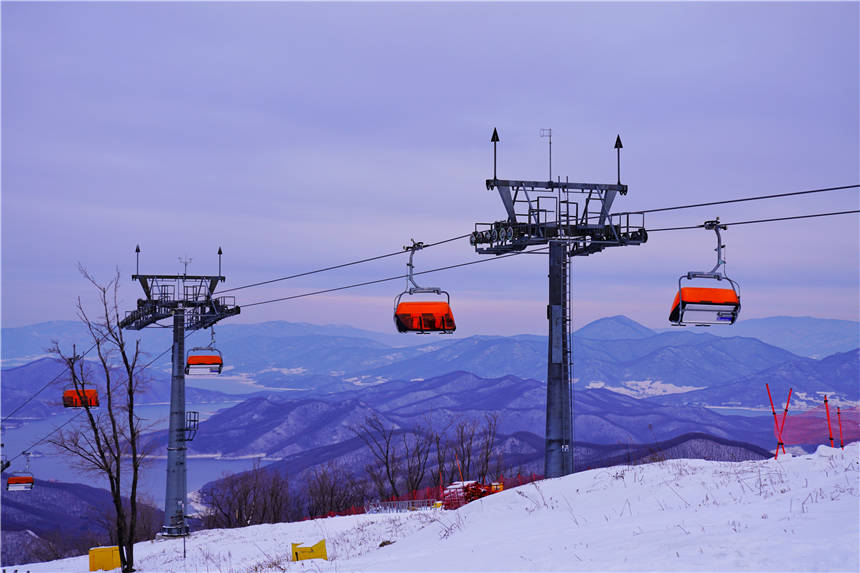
column 573, row 219
column 189, row 300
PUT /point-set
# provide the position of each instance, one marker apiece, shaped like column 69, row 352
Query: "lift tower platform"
column 189, row 300
column 572, row 219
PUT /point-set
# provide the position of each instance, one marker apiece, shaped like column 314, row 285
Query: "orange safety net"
column 424, row 317
column 78, row 398
column 810, row 427
column 204, row 360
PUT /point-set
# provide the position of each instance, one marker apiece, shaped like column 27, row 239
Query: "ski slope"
column 799, row 513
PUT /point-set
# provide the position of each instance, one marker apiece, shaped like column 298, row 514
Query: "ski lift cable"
column 340, row 266
column 742, row 199
column 73, row 417
column 760, row 220
column 57, row 377
column 394, row 278
column 79, row 412
column 43, row 388
column 820, row 190
column 400, row 252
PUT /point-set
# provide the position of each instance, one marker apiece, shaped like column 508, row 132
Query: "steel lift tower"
column 189, row 300
column 572, row 219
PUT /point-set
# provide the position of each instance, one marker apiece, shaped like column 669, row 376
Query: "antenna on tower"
column 220, row 252
column 547, row 132
column 137, row 255
column 185, row 262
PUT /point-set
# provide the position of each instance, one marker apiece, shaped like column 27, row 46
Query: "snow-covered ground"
column 800, row 513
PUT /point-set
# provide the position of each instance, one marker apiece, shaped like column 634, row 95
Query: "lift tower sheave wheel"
column 572, row 219
column 189, row 300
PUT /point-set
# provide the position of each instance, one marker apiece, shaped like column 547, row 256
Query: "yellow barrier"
column 104, row 558
column 313, row 552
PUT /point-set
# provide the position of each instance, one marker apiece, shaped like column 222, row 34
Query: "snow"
column 798, row 513
column 645, row 388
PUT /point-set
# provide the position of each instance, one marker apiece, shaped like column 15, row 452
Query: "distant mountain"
column 20, row 384
column 57, row 519
column 284, row 329
column 802, row 335
column 614, row 328
column 614, row 353
column 281, row 427
column 838, row 376
column 275, row 426
column 22, row 344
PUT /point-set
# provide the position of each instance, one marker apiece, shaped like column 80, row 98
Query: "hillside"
column 59, row 518
column 802, row 335
column 281, row 427
column 680, row 515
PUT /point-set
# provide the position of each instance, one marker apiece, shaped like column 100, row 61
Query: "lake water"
column 47, row 464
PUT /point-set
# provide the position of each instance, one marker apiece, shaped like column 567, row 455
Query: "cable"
column 386, row 255
column 821, row 190
column 354, row 285
column 43, row 388
column 340, row 266
column 390, row 278
column 71, row 419
column 760, row 220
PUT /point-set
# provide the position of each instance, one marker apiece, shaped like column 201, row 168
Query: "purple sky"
column 297, row 136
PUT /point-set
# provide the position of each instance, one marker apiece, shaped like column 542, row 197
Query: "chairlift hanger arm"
column 715, row 226
column 415, row 288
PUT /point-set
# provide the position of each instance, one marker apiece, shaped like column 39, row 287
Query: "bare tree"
column 260, row 495
column 108, row 440
column 445, row 468
column 416, row 449
column 464, row 445
column 380, row 440
column 486, row 441
column 332, row 489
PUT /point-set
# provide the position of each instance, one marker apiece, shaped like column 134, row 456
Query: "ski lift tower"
column 189, row 300
column 574, row 220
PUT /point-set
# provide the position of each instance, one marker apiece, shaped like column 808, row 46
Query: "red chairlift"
column 422, row 316
column 21, row 481
column 704, row 306
column 203, row 360
column 80, row 398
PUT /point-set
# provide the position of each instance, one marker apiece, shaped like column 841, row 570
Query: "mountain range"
column 615, row 353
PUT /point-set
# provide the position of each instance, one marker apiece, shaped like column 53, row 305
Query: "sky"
column 297, row 136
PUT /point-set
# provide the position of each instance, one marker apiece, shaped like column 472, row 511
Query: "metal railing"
column 399, row 506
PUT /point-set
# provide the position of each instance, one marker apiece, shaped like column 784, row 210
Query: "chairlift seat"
column 80, row 398
column 705, row 306
column 204, row 363
column 19, row 483
column 424, row 317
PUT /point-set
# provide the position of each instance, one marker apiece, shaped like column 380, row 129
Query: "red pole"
column 829, row 429
column 839, row 416
column 775, row 423
column 784, row 414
